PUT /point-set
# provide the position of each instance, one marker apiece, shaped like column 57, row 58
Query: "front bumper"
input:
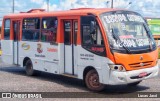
column 117, row 77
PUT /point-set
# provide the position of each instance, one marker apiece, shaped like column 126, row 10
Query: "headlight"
column 117, row 67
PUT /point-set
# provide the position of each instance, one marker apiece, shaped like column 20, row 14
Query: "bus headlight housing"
column 117, row 67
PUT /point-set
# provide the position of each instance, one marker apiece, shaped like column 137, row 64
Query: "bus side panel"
column 44, row 56
column 61, row 57
column 50, row 57
column 29, row 49
column 88, row 59
column 7, row 48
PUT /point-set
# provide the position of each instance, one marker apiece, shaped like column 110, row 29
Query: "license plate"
column 143, row 74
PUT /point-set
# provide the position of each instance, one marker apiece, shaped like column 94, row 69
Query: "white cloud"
column 68, row 4
column 140, row 4
column 18, row 4
column 37, row 1
column 51, row 7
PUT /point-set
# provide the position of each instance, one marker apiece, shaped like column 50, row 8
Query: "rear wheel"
column 29, row 68
column 92, row 81
column 134, row 83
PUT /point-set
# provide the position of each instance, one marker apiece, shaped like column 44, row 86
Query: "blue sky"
column 148, row 8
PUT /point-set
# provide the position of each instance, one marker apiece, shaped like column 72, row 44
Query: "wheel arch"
column 86, row 70
column 25, row 60
column 85, row 75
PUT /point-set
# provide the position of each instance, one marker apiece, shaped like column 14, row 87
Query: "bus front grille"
column 141, row 64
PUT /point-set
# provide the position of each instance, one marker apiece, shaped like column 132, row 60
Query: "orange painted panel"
column 136, row 61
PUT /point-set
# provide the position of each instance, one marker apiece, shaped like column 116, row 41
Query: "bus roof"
column 78, row 11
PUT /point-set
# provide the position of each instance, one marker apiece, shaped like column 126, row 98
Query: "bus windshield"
column 127, row 31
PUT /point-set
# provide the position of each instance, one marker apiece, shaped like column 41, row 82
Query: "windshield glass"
column 127, row 31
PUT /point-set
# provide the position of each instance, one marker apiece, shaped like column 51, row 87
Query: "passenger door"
column 70, row 39
column 16, row 33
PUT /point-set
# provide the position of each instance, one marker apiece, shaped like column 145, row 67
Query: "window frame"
column 42, row 29
column 70, row 34
column 36, row 30
column 8, row 38
column 97, row 26
column 89, row 46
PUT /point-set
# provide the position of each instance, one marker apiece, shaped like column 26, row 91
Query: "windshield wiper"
column 117, row 38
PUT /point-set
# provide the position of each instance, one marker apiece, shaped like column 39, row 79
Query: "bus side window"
column 91, row 33
column 49, row 29
column 31, row 29
column 92, row 39
column 7, row 29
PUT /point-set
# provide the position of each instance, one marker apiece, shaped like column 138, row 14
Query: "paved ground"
column 13, row 79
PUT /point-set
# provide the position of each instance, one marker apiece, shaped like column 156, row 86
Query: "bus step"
column 70, row 75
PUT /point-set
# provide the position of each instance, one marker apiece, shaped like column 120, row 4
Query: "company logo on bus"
column 52, row 50
column 97, row 49
column 141, row 57
column 141, row 64
column 25, row 46
column 39, row 48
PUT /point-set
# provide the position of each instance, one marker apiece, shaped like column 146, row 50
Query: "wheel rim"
column 94, row 80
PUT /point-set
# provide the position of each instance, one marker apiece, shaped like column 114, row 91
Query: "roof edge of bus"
column 84, row 10
column 81, row 8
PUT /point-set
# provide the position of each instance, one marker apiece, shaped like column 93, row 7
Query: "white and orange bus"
column 99, row 46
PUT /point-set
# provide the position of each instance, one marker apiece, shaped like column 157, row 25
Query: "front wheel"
column 92, row 81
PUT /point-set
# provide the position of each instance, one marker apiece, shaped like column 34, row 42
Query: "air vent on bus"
column 34, row 11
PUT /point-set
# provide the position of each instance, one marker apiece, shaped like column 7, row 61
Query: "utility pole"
column 48, row 5
column 13, row 7
column 111, row 3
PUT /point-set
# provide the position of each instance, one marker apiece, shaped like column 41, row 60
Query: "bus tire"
column 92, row 81
column 134, row 83
column 29, row 68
